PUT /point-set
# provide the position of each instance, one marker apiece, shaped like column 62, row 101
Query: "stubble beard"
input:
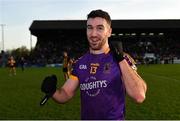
column 98, row 45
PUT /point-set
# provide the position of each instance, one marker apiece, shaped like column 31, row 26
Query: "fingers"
column 49, row 85
column 117, row 50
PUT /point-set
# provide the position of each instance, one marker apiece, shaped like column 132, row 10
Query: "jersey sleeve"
column 130, row 61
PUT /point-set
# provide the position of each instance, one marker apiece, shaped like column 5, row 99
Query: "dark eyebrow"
column 100, row 25
column 89, row 25
column 97, row 25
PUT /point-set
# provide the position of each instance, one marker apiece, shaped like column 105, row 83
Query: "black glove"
column 117, row 50
column 49, row 85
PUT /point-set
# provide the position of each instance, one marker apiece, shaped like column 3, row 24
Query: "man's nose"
column 94, row 32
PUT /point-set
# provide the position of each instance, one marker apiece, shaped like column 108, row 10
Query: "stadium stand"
column 148, row 41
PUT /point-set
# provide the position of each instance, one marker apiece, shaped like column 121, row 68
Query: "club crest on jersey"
column 107, row 68
column 82, row 67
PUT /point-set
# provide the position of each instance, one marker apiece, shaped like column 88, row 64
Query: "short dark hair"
column 100, row 13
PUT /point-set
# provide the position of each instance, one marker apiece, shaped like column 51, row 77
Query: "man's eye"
column 89, row 27
column 100, row 28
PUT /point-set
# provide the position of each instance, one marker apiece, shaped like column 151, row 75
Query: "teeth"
column 94, row 40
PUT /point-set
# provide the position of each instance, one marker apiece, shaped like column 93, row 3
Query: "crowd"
column 52, row 52
column 164, row 48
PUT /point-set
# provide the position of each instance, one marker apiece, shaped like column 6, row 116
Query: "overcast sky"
column 18, row 15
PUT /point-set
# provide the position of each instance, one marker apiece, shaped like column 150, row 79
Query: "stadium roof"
column 117, row 25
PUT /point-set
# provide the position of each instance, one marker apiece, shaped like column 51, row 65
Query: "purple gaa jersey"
column 101, row 87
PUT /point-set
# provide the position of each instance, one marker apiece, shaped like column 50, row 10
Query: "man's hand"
column 49, row 85
column 117, row 50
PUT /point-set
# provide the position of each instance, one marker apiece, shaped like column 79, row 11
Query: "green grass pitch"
column 20, row 95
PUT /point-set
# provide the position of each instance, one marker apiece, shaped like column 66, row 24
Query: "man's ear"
column 109, row 32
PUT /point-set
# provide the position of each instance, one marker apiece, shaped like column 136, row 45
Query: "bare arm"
column 66, row 92
column 134, row 84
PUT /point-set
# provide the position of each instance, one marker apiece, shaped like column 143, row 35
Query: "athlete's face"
column 65, row 54
column 11, row 58
column 98, row 31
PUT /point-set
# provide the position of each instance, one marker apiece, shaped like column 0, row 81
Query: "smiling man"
column 102, row 74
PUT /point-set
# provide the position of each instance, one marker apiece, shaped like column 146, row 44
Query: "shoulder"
column 82, row 58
